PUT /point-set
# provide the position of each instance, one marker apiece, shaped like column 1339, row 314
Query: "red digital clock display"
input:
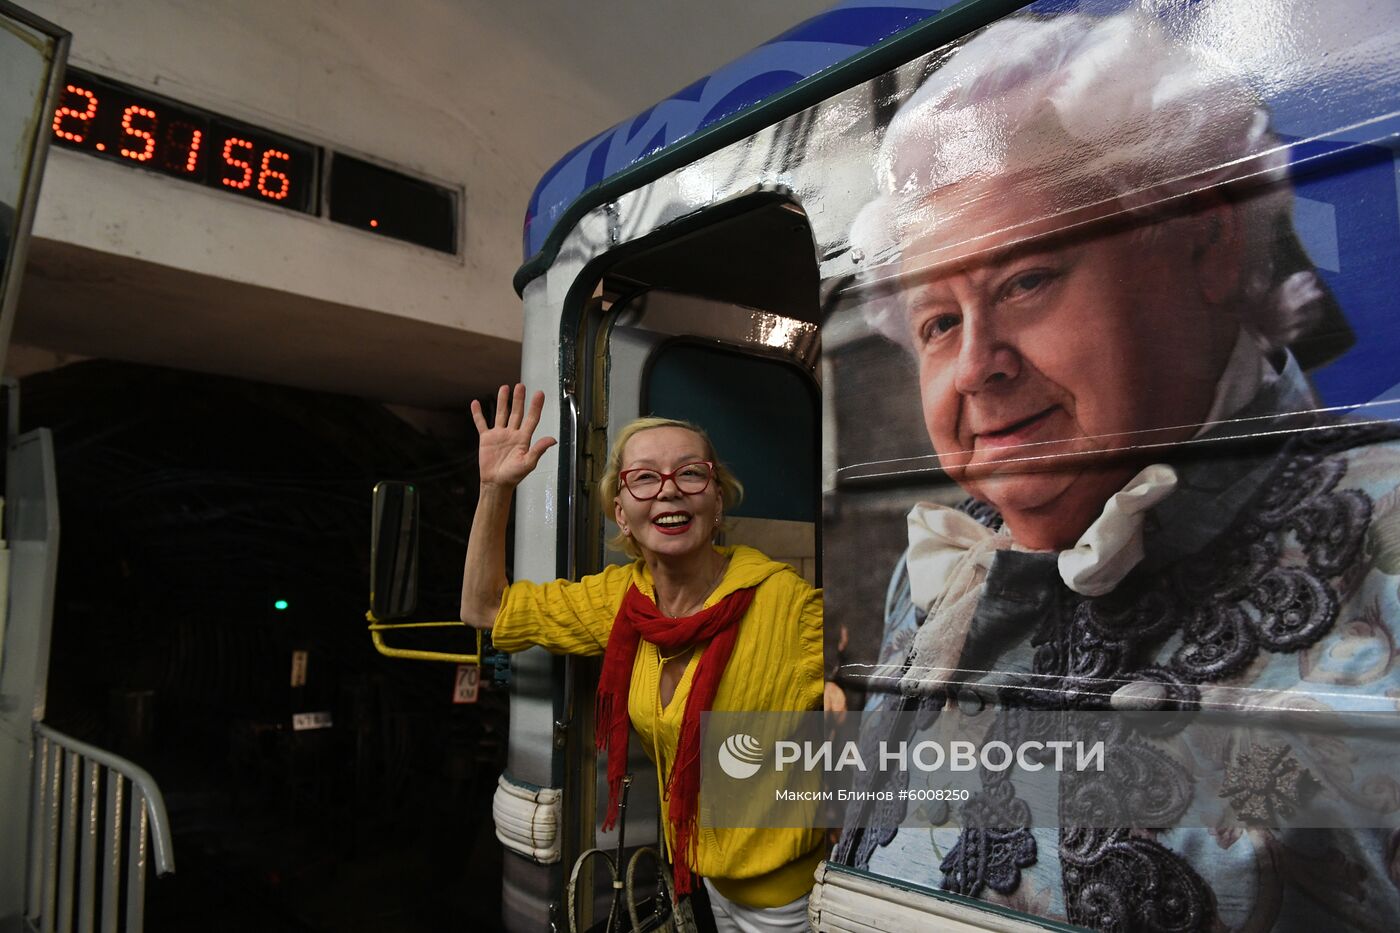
column 116, row 122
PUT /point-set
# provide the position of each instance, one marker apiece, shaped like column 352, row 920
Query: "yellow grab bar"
column 377, row 628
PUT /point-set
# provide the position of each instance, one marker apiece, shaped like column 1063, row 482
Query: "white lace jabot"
column 940, row 537
column 950, row 553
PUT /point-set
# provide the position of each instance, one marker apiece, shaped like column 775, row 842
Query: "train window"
column 763, row 416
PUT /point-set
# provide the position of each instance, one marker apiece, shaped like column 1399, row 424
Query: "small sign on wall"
column 468, row 680
column 301, row 722
column 299, row 668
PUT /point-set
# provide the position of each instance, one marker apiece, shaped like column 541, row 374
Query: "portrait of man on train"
column 1137, row 323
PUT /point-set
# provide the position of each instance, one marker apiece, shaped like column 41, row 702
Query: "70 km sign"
column 468, row 680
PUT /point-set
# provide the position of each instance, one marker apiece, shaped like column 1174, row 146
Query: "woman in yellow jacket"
column 686, row 628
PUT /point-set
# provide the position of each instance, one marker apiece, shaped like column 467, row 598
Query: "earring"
column 717, row 519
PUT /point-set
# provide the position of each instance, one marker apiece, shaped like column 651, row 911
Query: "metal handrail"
column 376, row 627
column 62, row 866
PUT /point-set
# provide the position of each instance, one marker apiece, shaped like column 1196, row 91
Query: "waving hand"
column 507, row 454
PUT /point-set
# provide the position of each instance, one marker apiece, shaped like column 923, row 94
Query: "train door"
column 698, row 323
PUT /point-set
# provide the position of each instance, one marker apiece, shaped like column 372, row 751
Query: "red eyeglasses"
column 645, row 483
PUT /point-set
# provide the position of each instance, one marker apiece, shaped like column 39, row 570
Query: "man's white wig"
column 1091, row 115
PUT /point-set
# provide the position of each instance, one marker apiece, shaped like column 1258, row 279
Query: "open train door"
column 713, row 323
column 712, row 319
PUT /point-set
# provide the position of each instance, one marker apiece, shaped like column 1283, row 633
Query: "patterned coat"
column 1273, row 567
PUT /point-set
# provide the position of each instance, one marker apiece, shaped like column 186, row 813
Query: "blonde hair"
column 1120, row 109
column 610, row 486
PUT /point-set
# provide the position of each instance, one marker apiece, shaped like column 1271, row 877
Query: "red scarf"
column 639, row 618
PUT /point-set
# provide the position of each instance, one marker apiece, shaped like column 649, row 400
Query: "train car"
column 1084, row 305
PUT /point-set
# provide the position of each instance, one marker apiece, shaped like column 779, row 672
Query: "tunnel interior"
column 212, row 528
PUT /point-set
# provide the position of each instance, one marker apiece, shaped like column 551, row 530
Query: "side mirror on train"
column 393, row 561
column 393, row 575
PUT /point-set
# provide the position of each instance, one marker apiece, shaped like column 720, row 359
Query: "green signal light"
column 280, row 605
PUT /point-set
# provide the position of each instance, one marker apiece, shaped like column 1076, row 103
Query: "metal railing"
column 83, row 820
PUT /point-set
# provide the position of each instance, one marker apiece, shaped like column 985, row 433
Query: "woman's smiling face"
column 1038, row 357
column 675, row 523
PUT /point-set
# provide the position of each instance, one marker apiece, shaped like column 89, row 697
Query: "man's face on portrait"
column 1037, row 353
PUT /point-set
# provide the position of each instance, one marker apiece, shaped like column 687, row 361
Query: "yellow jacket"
column 776, row 665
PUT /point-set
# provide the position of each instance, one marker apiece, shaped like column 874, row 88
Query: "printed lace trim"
column 1270, row 583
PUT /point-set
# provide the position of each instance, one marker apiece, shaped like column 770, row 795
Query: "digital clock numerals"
column 185, row 137
column 271, row 183
column 71, row 124
column 234, row 148
column 106, row 120
column 133, row 132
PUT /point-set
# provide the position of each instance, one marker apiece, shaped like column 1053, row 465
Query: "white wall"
column 409, row 88
column 474, row 94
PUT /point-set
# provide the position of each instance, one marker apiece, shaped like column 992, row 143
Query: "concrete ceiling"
column 247, row 331
column 620, row 55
